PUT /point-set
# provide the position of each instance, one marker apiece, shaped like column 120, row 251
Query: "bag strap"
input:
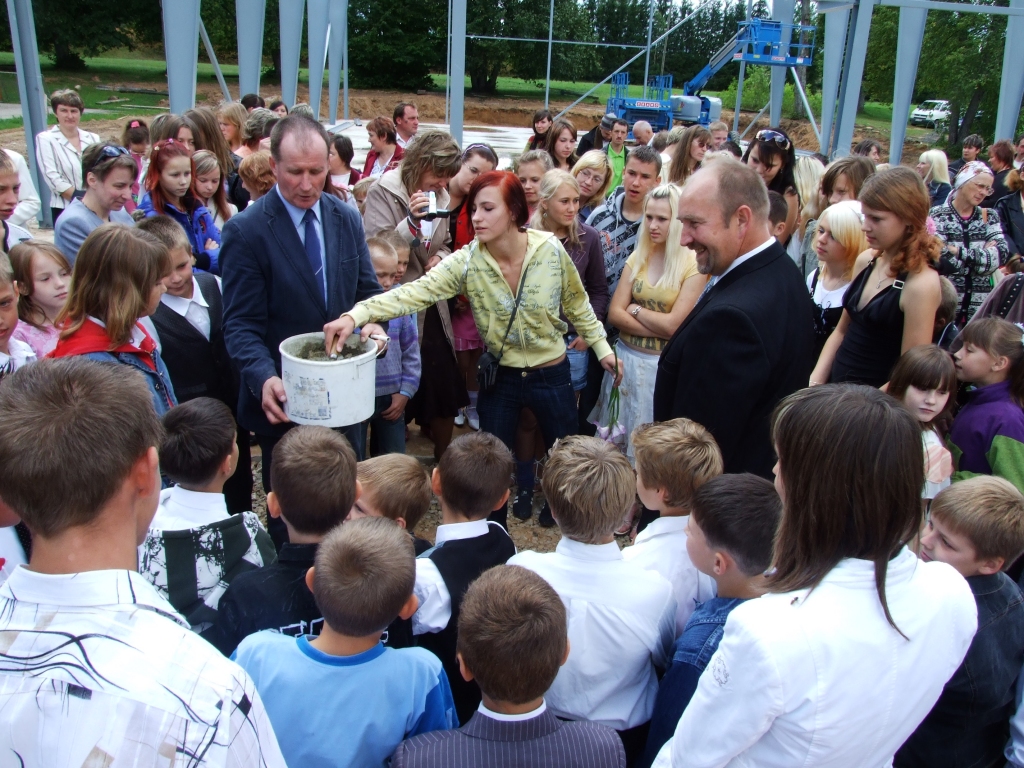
column 515, row 309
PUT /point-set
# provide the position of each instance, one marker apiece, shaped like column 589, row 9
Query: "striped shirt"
column 618, row 235
column 60, row 163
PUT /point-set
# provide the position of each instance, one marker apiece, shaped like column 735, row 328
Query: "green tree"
column 71, row 29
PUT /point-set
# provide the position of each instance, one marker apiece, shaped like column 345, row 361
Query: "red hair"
column 159, row 156
column 512, row 193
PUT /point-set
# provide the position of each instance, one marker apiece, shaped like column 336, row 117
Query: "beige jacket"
column 387, row 207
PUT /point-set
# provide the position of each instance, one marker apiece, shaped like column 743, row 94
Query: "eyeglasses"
column 769, row 135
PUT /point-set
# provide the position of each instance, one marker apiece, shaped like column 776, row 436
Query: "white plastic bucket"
column 328, row 393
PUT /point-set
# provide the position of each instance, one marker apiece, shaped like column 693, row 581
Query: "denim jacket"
column 693, row 651
column 159, row 381
column 969, row 724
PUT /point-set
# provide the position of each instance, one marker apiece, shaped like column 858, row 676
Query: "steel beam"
column 250, row 16
column 317, row 13
column 908, row 53
column 551, row 35
column 782, row 10
column 181, row 46
column 290, row 15
column 212, row 56
column 33, row 97
column 853, row 74
column 650, row 33
column 337, row 46
column 458, row 70
column 836, row 24
column 1011, row 88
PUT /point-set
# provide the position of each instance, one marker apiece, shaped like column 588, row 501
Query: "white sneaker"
column 460, row 418
column 473, row 418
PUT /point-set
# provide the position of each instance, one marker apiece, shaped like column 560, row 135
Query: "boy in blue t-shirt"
column 729, row 537
column 342, row 698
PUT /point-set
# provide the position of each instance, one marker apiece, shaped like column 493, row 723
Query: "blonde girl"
column 209, row 187
column 838, row 241
column 659, row 286
column 594, row 176
column 231, row 119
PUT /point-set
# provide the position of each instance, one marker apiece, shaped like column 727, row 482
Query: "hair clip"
column 133, row 124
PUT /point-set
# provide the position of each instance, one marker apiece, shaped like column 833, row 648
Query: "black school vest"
column 460, row 562
column 198, row 368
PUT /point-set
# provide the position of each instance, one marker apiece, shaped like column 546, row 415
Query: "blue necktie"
column 313, row 250
column 707, row 288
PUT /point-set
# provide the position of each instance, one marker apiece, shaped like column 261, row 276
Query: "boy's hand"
column 397, row 407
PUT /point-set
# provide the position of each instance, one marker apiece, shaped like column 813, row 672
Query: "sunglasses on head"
column 768, row 135
column 108, row 153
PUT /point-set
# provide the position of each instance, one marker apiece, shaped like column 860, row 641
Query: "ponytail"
column 1001, row 338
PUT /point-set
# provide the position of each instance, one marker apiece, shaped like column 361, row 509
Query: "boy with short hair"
column 512, row 641
column 189, row 324
column 395, row 486
column 313, row 475
column 976, row 526
column 731, row 529
column 98, row 667
column 778, row 212
column 398, row 372
column 621, row 617
column 673, row 459
column 471, row 481
column 194, row 548
column 14, row 353
column 342, row 698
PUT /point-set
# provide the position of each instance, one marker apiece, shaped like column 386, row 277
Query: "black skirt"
column 442, row 389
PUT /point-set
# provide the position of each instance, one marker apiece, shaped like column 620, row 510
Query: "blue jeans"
column 578, row 362
column 545, row 391
column 385, row 436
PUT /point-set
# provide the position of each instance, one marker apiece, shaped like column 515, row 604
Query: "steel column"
column 551, row 36
column 836, row 24
column 30, row 87
column 249, row 20
column 336, row 45
column 650, row 33
column 290, row 15
column 181, row 47
column 316, row 46
column 782, row 10
column 853, row 74
column 908, row 53
column 1011, row 87
column 458, row 75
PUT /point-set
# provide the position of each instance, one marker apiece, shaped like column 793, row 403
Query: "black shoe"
column 522, row 507
column 545, row 519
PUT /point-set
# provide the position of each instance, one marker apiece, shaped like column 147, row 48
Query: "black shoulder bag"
column 487, row 365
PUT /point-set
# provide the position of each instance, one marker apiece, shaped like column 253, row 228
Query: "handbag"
column 487, row 365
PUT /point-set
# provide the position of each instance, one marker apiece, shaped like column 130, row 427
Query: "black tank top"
column 874, row 340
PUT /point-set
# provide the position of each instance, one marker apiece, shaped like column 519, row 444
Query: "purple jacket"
column 987, row 436
column 588, row 257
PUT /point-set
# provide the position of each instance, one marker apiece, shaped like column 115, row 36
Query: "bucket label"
column 308, row 398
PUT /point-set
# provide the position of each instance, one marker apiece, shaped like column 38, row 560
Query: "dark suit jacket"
column 541, row 742
column 747, row 344
column 271, row 293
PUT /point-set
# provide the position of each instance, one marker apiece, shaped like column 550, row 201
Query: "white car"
column 930, row 113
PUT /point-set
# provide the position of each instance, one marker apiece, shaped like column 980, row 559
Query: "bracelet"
column 636, row 311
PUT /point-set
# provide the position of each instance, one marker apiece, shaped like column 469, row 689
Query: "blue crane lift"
column 758, row 41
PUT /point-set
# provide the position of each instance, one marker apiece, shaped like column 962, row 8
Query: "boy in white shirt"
column 673, row 459
column 194, row 547
column 13, row 353
column 621, row 617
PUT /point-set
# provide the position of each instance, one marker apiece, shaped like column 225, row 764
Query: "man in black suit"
column 291, row 261
column 748, row 342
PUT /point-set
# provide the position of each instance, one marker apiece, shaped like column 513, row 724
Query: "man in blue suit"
column 291, row 262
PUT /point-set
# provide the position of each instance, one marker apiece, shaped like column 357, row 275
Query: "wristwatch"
column 636, row 311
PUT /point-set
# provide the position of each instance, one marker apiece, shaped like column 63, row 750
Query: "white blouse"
column 819, row 677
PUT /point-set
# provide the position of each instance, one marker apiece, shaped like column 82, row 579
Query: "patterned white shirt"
column 97, row 669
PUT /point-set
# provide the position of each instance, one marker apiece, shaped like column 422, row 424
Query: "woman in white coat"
column 837, row 665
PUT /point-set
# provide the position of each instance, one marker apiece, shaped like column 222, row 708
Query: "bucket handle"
column 382, row 351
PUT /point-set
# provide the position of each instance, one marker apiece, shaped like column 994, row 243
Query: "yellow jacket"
column 537, row 335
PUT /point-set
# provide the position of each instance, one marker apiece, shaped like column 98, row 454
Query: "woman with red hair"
column 170, row 192
column 517, row 280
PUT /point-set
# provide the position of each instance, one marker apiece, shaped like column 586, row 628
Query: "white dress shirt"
column 60, row 163
column 196, row 310
column 661, row 547
column 512, row 718
column 297, row 215
column 180, row 510
column 435, row 609
column 819, row 677
column 622, row 622
column 28, row 197
column 99, row 669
